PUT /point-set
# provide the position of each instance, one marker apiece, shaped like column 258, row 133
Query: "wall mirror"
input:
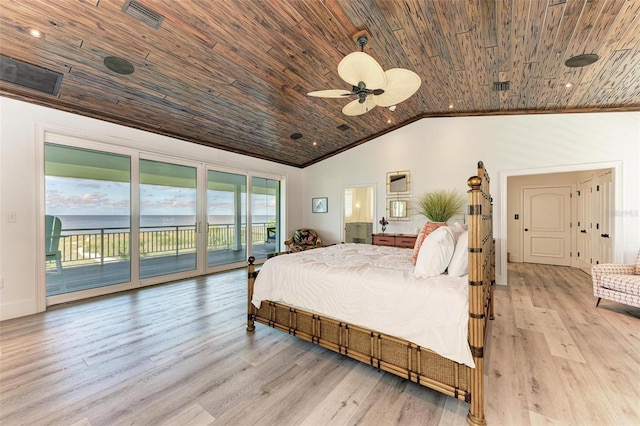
column 398, row 209
column 398, row 183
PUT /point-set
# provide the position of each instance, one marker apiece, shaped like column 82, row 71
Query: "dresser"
column 394, row 240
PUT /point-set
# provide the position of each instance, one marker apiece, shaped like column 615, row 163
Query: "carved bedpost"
column 476, row 299
column 251, row 277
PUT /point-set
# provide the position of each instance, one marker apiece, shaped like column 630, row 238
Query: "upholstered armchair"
column 303, row 239
column 617, row 282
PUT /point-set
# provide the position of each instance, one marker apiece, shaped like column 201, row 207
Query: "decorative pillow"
column 303, row 237
column 435, row 253
column 459, row 264
column 427, row 229
column 457, row 230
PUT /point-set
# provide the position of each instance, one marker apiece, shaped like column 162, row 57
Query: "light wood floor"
column 178, row 354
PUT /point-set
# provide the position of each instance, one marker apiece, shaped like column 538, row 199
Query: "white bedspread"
column 373, row 287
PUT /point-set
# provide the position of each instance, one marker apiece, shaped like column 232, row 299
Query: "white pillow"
column 459, row 264
column 457, row 230
column 435, row 253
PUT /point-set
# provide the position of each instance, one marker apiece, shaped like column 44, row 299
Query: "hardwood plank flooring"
column 178, row 354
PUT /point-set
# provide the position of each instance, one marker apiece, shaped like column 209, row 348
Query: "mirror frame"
column 392, row 176
column 390, row 209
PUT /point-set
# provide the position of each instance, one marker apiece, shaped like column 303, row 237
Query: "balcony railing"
column 89, row 245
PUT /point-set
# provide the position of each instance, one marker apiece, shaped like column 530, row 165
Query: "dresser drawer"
column 405, row 242
column 381, row 240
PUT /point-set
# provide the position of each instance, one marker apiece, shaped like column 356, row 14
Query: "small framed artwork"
column 319, row 205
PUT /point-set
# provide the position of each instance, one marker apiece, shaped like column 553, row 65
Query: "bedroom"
column 507, row 144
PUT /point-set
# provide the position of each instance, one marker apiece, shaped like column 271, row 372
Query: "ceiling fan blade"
column 359, row 67
column 332, row 93
column 357, row 108
column 401, row 85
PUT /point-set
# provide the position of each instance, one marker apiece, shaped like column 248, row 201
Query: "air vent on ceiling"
column 344, row 127
column 29, row 76
column 142, row 13
column 500, row 86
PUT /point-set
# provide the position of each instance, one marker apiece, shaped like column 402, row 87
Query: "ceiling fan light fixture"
column 392, row 108
column 371, row 85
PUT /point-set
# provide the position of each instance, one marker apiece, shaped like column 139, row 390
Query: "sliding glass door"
column 265, row 217
column 226, row 218
column 168, row 216
column 88, row 221
column 118, row 217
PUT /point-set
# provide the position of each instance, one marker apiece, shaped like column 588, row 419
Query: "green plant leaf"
column 441, row 205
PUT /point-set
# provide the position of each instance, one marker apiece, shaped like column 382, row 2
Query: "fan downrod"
column 361, row 42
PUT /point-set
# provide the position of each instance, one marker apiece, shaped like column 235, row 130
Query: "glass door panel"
column 226, row 218
column 168, row 209
column 265, row 217
column 88, row 221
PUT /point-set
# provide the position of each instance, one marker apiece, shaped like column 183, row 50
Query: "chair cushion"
column 629, row 284
column 304, row 237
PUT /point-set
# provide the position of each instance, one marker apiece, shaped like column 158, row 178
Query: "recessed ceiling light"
column 581, row 60
column 36, row 33
column 315, row 143
column 450, row 106
column 389, row 121
column 118, row 65
column 568, row 85
column 392, row 108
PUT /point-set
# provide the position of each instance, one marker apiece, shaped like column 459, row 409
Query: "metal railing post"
column 102, row 246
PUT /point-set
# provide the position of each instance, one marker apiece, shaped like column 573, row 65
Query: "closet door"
column 604, row 204
column 583, row 225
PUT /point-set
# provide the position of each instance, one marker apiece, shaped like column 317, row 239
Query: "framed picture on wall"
column 319, row 205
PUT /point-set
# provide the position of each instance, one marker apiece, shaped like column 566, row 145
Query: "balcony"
column 97, row 257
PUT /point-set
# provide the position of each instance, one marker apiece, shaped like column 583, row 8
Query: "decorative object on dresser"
column 384, row 222
column 394, row 240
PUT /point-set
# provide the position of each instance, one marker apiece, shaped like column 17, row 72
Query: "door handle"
column 604, row 235
column 526, row 229
column 583, row 231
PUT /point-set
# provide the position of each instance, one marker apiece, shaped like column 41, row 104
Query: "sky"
column 73, row 196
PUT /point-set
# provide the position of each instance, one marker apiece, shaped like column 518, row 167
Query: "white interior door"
column 583, row 225
column 547, row 225
column 603, row 231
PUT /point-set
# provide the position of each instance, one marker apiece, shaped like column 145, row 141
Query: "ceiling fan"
column 370, row 83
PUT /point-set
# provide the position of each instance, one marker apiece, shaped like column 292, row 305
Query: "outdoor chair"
column 52, row 229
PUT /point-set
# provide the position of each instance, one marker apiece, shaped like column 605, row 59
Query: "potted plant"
column 440, row 206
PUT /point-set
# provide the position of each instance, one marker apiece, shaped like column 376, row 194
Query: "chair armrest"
column 319, row 242
column 597, row 271
column 288, row 242
column 613, row 269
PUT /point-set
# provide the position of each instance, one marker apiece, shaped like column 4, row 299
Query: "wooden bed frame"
column 398, row 356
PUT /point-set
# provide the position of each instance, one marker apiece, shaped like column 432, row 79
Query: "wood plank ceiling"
column 233, row 74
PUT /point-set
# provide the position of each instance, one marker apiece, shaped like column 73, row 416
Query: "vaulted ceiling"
column 234, row 74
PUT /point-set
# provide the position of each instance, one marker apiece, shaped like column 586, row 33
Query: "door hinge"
column 578, row 193
column 597, row 226
column 597, row 188
column 578, row 254
column 570, row 254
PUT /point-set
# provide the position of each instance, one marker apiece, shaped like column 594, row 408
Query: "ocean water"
column 117, row 221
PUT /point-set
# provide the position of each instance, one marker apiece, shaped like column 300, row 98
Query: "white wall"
column 19, row 194
column 441, row 153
